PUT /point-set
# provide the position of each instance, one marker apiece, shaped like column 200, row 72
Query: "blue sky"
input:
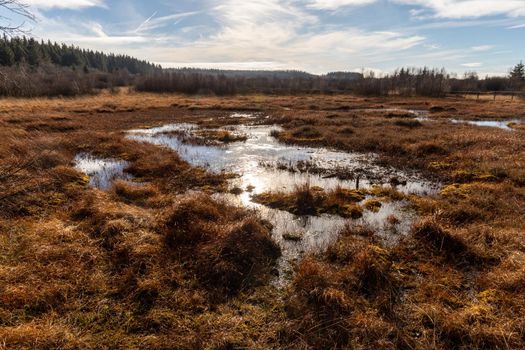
column 317, row 36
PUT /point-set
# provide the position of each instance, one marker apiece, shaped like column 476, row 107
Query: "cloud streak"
column 472, row 65
column 310, row 35
column 65, row 4
column 153, row 22
column 469, row 8
column 335, row 4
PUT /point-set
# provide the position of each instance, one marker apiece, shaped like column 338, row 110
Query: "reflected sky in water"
column 250, row 160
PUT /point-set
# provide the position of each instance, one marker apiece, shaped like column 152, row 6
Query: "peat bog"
column 134, row 220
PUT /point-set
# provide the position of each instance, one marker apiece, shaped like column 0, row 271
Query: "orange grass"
column 153, row 266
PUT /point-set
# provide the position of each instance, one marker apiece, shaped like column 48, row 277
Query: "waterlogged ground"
column 80, row 261
column 500, row 124
column 424, row 116
column 258, row 158
column 102, row 172
column 265, row 165
column 260, row 162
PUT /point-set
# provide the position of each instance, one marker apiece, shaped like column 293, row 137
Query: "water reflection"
column 102, row 172
column 317, row 233
column 250, row 160
column 500, row 124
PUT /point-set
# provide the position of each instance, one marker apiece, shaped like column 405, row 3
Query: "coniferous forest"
column 32, row 68
column 16, row 51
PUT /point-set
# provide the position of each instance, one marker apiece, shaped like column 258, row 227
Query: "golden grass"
column 307, row 200
column 82, row 268
column 152, row 266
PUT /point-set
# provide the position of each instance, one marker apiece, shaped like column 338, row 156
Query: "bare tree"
column 18, row 8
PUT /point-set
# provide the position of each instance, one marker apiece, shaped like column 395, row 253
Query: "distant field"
column 161, row 258
column 498, row 96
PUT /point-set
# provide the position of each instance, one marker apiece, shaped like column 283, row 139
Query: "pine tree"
column 518, row 72
column 28, row 50
column 7, row 57
column 18, row 49
column 33, row 53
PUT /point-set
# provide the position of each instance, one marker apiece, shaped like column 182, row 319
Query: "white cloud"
column 259, row 23
column 472, row 65
column 416, row 13
column 280, row 34
column 432, row 46
column 107, row 43
column 481, row 48
column 252, row 65
column 258, row 34
column 65, row 4
column 335, row 4
column 470, row 8
column 263, row 34
column 355, row 41
column 284, row 34
column 97, row 29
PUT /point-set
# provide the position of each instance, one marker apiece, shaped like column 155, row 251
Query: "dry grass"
column 81, row 268
column 452, row 148
column 449, row 289
column 153, row 266
column 222, row 136
column 307, row 200
column 208, row 137
column 345, row 299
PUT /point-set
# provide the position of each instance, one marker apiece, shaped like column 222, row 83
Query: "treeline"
column 436, row 83
column 20, row 51
column 199, row 81
column 403, row 82
column 424, row 82
column 50, row 80
column 31, row 68
column 471, row 82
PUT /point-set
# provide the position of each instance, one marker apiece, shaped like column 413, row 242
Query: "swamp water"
column 264, row 164
column 102, row 172
column 424, row 116
column 252, row 160
column 500, row 124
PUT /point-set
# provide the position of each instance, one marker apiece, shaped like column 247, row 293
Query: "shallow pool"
column 252, row 160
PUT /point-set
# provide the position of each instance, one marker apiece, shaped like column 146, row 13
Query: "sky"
column 317, row 36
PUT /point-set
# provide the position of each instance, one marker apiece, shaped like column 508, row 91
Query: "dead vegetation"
column 207, row 137
column 347, row 203
column 150, row 265
column 222, row 136
column 81, row 268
